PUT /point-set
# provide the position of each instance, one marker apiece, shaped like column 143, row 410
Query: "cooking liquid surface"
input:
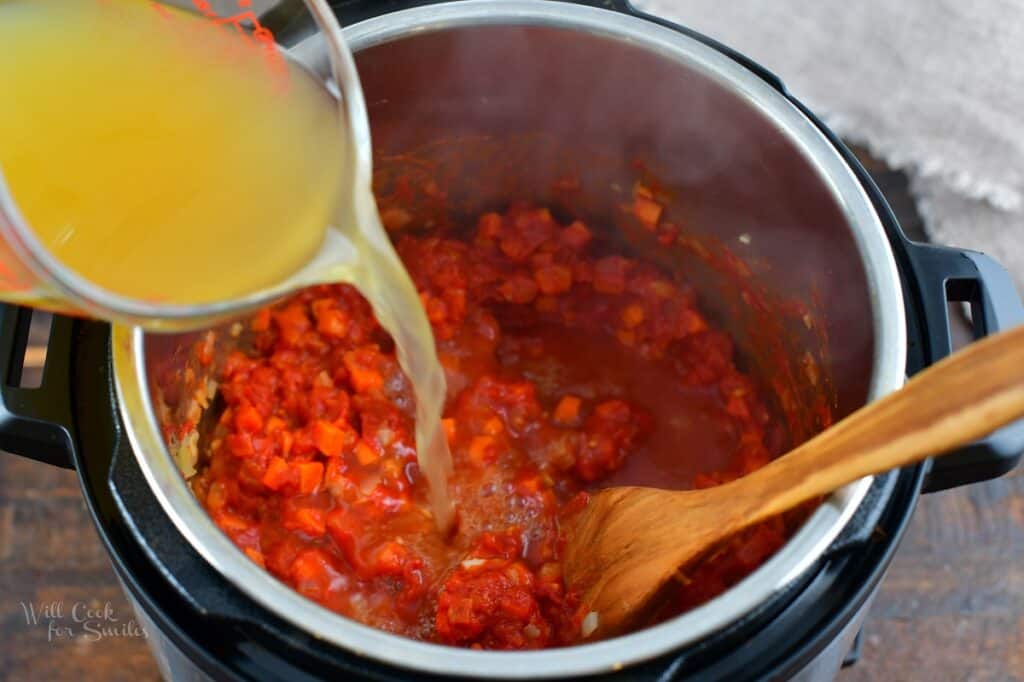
column 166, row 158
column 688, row 418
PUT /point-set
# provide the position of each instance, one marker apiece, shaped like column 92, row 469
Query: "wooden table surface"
column 951, row 607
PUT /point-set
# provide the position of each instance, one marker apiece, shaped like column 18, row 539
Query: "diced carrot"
column 232, row 524
column 365, row 453
column 293, row 322
column 647, row 211
column 363, row 377
column 275, row 424
column 278, row 474
column 333, row 323
column 449, row 430
column 567, row 412
column 256, row 556
column 248, row 419
column 311, row 475
column 328, row 438
column 481, row 449
column 494, row 426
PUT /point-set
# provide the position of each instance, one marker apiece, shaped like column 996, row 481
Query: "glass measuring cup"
column 30, row 272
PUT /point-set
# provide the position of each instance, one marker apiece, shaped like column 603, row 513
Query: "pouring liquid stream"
column 365, row 258
column 169, row 158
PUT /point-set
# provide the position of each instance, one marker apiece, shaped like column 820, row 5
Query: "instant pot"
column 792, row 249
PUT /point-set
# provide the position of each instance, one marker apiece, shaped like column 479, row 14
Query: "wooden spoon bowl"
column 627, row 542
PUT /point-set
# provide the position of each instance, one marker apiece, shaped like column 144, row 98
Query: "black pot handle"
column 954, row 275
column 35, row 422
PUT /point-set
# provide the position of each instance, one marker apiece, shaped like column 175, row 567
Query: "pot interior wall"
column 468, row 119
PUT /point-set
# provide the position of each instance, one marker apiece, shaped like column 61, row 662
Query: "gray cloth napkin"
column 933, row 87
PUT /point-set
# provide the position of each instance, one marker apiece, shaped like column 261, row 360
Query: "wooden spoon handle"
column 957, row 400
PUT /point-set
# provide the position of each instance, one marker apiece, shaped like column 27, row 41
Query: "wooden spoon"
column 627, row 542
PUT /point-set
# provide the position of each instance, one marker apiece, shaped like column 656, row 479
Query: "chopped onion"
column 473, row 563
column 590, row 622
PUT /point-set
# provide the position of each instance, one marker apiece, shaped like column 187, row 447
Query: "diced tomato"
column 390, row 558
column 313, row 471
column 261, row 321
column 610, row 275
column 554, row 279
column 519, row 289
column 248, row 419
column 567, row 412
column 489, row 226
column 576, row 236
column 633, row 315
column 292, row 322
column 308, row 520
column 312, row 573
column 239, row 444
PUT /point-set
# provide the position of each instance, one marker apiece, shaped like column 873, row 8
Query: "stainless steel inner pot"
column 550, row 87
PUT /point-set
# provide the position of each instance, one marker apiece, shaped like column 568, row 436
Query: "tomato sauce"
column 568, row 368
